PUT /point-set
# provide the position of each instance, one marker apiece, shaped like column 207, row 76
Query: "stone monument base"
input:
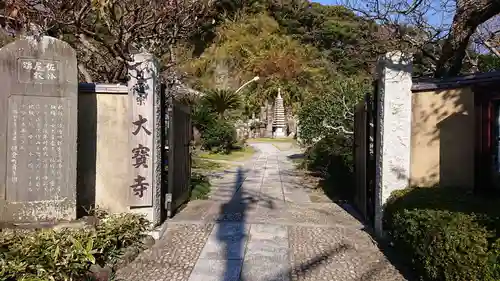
column 279, row 133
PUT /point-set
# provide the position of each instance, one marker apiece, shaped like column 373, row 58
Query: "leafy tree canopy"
column 256, row 46
column 331, row 112
column 350, row 42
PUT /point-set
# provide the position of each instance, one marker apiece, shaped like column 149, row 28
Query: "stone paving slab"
column 222, row 257
column 267, row 243
column 216, row 270
column 307, row 215
column 218, row 250
column 272, row 194
column 265, row 270
column 198, row 210
column 268, row 231
column 260, row 225
column 297, row 196
column 226, row 242
column 269, row 211
column 267, row 254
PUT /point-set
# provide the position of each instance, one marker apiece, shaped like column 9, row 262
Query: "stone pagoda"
column 279, row 117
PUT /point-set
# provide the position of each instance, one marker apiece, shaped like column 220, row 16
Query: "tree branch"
column 85, row 73
column 491, row 48
column 337, row 128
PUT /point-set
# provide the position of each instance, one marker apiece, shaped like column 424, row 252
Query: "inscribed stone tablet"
column 38, row 109
column 36, row 142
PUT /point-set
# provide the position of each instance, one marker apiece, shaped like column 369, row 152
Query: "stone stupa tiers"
column 279, row 117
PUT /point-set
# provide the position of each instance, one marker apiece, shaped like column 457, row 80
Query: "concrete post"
column 394, row 129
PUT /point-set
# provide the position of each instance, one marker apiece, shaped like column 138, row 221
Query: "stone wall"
column 103, row 146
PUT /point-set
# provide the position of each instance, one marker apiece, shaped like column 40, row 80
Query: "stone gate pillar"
column 394, row 129
column 145, row 138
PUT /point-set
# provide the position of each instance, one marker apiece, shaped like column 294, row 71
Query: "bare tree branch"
column 85, row 73
column 106, row 33
column 444, row 44
column 337, row 128
column 491, row 48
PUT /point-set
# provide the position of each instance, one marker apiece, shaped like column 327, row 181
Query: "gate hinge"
column 168, row 201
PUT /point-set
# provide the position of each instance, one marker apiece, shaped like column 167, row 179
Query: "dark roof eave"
column 426, row 84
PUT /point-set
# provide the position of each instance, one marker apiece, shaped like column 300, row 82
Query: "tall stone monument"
column 262, row 115
column 146, row 123
column 279, row 117
column 38, row 130
column 269, row 120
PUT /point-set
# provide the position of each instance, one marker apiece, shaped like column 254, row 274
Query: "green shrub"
column 333, row 107
column 67, row 254
column 447, row 234
column 200, row 186
column 327, row 116
column 444, row 245
column 202, row 117
column 332, row 158
column 221, row 101
column 331, row 154
column 220, row 137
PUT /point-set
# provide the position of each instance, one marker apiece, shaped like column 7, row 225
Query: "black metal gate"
column 365, row 154
column 371, row 167
column 178, row 155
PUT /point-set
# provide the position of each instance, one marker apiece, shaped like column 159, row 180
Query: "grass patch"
column 200, row 186
column 241, row 154
column 206, row 165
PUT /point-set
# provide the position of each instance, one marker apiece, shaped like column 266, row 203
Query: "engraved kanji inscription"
column 41, row 71
column 140, row 89
column 140, row 156
column 139, row 186
column 36, row 129
column 140, row 125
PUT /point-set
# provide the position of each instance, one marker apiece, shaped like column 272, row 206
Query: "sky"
column 439, row 14
column 436, row 16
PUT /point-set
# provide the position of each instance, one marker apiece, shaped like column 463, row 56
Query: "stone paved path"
column 260, row 225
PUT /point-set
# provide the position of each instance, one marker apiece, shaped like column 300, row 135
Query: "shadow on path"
column 231, row 224
column 232, row 232
column 233, row 235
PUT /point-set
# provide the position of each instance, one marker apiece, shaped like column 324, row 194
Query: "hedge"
column 446, row 234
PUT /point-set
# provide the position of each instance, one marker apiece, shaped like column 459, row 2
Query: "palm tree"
column 222, row 100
